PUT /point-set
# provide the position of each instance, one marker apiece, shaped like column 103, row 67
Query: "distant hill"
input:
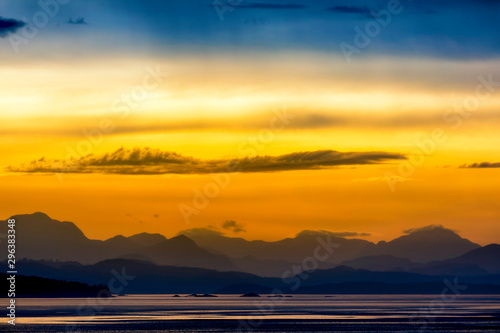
column 37, row 287
column 270, row 258
column 478, row 262
column 380, row 288
column 382, row 263
column 487, row 258
column 432, row 250
column 40, row 237
column 290, row 250
column 147, row 278
column 424, row 245
column 146, row 239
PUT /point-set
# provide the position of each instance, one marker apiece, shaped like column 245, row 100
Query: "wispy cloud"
column 350, row 10
column 211, row 231
column 77, row 21
column 234, row 226
column 333, row 233
column 8, row 26
column 426, row 228
column 483, row 165
column 262, row 5
column 147, row 161
column 201, row 232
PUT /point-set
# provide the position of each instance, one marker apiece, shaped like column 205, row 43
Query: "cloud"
column 350, row 10
column 261, row 5
column 147, row 161
column 8, row 26
column 333, row 233
column 426, row 228
column 483, row 165
column 211, row 231
column 233, row 226
column 201, row 232
column 313, row 120
column 306, row 25
column 79, row 20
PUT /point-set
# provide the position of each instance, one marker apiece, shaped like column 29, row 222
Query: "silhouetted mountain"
column 383, row 263
column 245, row 288
column 43, row 238
column 478, row 262
column 487, row 258
column 378, row 288
column 37, row 287
column 343, row 274
column 424, row 245
column 401, row 254
column 290, row 250
column 146, row 239
column 448, row 268
column 40, row 237
column 144, row 277
column 138, row 277
column 347, row 274
column 270, row 268
column 179, row 250
column 136, row 257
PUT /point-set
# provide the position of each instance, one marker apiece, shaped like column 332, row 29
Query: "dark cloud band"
column 350, row 10
column 483, row 165
column 146, row 161
column 9, row 26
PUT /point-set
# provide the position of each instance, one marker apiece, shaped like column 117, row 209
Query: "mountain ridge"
column 419, row 250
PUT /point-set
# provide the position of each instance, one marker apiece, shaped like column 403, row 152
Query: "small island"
column 250, row 295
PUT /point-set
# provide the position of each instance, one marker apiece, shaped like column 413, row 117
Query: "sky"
column 371, row 117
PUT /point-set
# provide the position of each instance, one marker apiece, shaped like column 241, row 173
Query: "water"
column 230, row 313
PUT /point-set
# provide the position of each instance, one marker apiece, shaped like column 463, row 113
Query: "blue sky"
column 444, row 29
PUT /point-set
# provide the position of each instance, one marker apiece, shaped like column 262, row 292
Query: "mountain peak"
column 147, row 239
column 433, row 242
column 432, row 231
column 40, row 223
column 40, row 215
column 178, row 241
column 37, row 215
column 118, row 240
column 181, row 239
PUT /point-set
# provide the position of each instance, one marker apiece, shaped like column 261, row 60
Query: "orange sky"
column 209, row 111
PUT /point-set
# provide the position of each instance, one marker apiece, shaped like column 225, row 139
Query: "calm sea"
column 231, row 313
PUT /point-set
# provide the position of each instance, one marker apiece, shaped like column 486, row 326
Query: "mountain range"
column 40, row 237
column 433, row 250
column 139, row 277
